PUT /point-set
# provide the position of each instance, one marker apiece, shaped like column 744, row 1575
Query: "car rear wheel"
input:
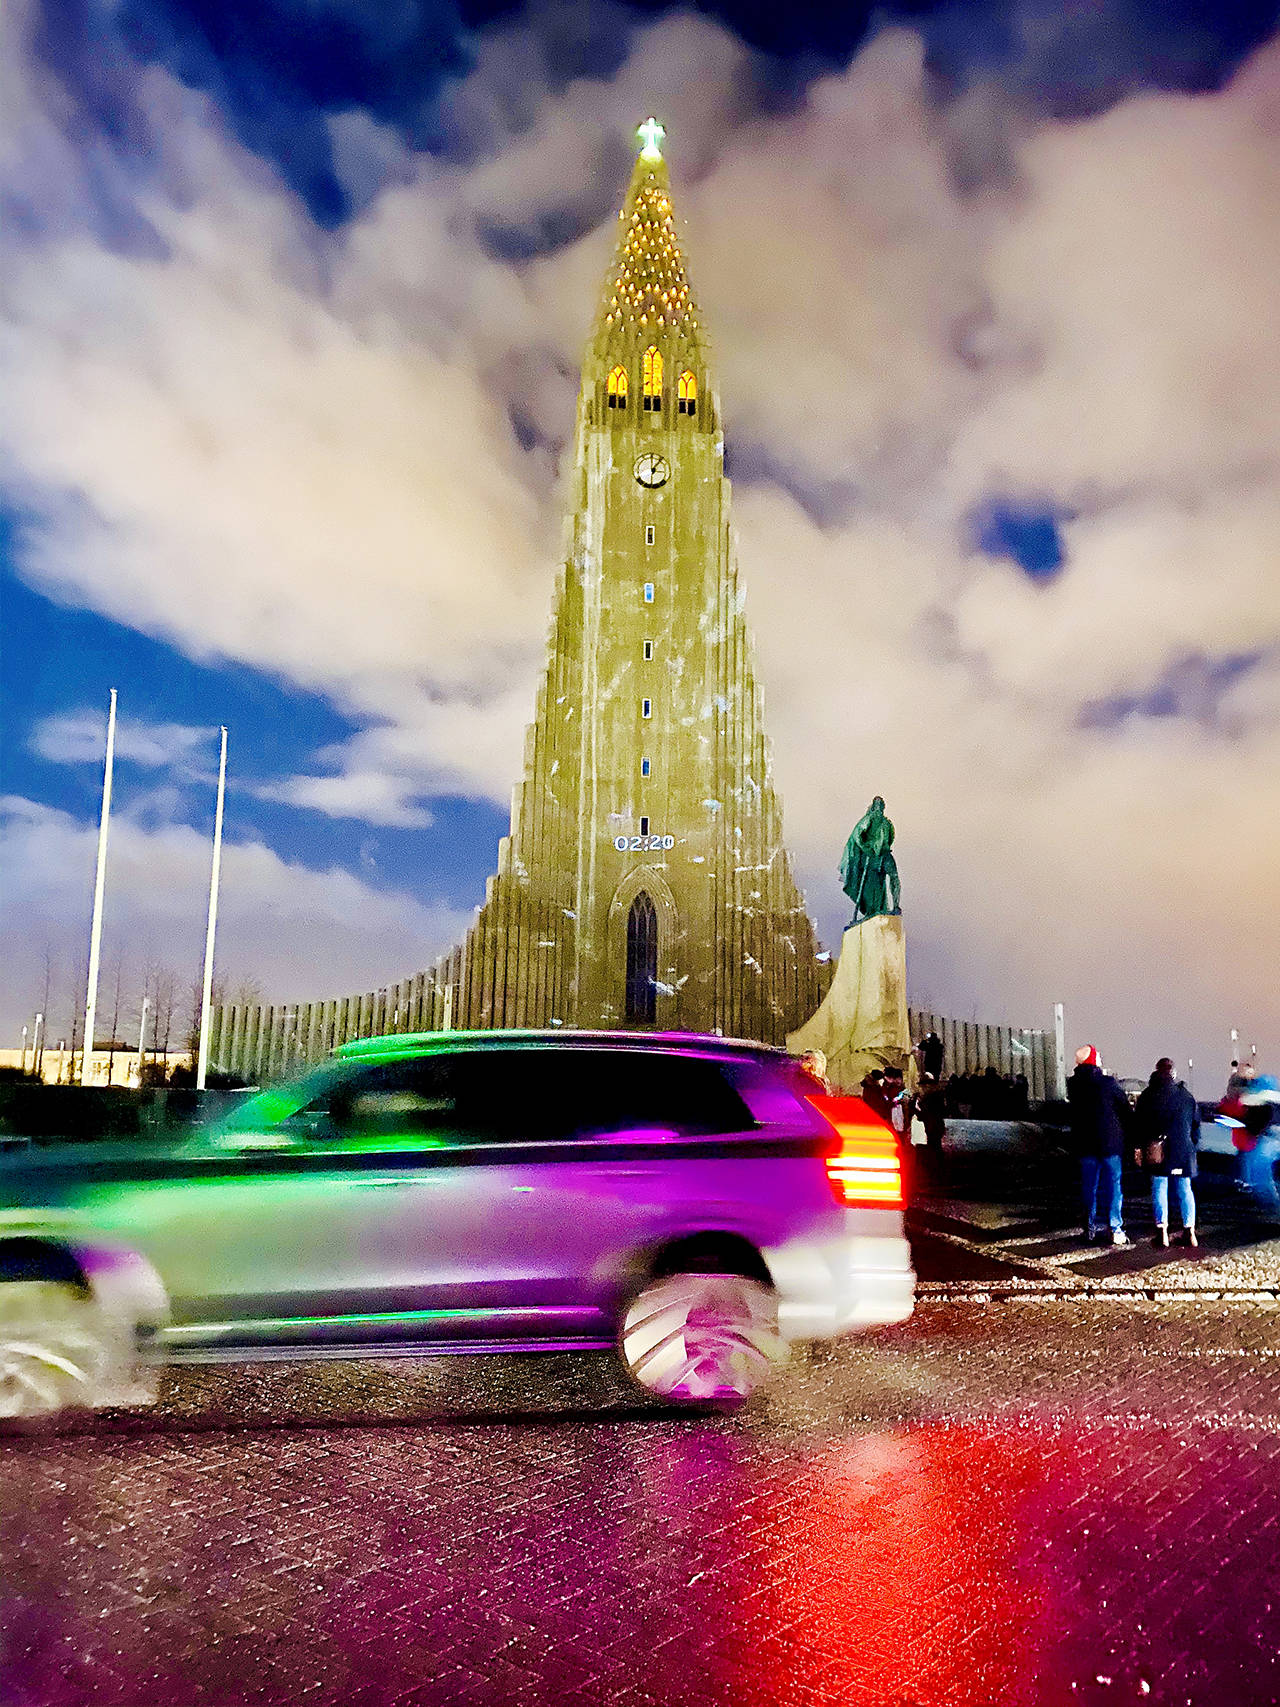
column 55, row 1352
column 703, row 1339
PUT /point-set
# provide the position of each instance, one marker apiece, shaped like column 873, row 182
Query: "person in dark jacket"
column 932, row 1055
column 1100, row 1117
column 1166, row 1124
column 873, row 1093
column 932, row 1111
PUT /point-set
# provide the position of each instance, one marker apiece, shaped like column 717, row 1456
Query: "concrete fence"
column 971, row 1047
column 258, row 1043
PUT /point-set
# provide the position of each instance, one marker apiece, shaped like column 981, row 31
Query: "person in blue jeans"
column 1100, row 1122
column 1258, row 1163
column 1167, row 1133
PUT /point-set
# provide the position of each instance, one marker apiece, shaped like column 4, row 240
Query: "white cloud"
column 374, row 797
column 297, row 930
column 79, row 738
column 294, row 450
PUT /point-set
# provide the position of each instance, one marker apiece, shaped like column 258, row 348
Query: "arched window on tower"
column 618, row 388
column 687, row 394
column 641, row 1007
column 652, row 378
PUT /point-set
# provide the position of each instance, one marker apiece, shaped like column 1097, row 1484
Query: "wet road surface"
column 1026, row 1502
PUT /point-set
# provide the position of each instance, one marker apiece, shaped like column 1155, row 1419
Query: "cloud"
column 373, row 797
column 79, row 738
column 333, row 456
column 296, row 930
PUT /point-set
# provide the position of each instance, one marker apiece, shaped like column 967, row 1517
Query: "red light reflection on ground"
column 897, row 1571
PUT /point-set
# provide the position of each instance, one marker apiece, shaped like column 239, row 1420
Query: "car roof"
column 658, row 1042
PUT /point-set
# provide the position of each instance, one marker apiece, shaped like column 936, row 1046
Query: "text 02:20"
column 643, row 844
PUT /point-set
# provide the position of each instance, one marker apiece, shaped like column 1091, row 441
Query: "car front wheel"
column 703, row 1339
column 55, row 1351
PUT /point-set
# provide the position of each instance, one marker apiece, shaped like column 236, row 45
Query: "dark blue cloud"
column 1031, row 538
column 279, row 68
column 1071, row 58
column 1191, row 688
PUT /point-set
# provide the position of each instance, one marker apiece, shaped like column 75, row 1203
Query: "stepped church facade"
column 644, row 881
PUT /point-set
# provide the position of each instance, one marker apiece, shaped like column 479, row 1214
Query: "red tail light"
column 865, row 1172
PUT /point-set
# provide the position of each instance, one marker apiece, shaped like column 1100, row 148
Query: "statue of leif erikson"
column 868, row 870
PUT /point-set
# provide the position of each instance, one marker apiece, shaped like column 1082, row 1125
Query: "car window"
column 392, row 1099
column 550, row 1093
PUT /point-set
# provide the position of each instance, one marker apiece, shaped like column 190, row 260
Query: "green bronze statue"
column 868, row 870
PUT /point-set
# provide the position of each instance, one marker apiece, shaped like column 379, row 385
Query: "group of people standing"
column 885, row 1093
column 1162, row 1131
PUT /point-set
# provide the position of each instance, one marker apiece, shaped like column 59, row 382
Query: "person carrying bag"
column 1167, row 1126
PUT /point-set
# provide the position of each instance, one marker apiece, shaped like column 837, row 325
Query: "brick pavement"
column 1033, row 1503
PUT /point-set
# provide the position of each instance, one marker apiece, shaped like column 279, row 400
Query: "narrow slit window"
column 644, row 826
column 652, row 377
column 644, row 767
column 648, row 533
column 687, row 394
column 646, row 708
column 648, row 651
column 618, row 388
column 648, row 592
column 640, row 1003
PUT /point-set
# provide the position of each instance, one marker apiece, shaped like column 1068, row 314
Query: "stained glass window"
column 652, row 378
column 687, row 393
column 618, row 388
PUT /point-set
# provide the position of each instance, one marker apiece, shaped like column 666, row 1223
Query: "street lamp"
column 142, row 1037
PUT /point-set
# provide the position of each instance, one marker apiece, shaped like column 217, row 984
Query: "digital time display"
column 643, row 844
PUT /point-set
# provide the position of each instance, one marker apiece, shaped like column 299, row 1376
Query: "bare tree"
column 166, row 989
column 246, row 992
column 50, row 975
column 75, row 1042
column 217, row 996
column 117, row 991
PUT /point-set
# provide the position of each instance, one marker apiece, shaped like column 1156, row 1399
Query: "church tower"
column 644, row 880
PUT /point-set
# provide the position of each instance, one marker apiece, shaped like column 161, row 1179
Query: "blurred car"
column 695, row 1203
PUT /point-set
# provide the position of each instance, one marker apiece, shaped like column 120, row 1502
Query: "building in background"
column 118, row 1066
column 644, row 880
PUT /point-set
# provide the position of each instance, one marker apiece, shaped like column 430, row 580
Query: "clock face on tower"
column 651, row 470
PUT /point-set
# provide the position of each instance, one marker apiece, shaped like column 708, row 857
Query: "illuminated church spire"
column 645, row 880
column 648, row 286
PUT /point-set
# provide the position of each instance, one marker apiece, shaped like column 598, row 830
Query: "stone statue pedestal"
column 862, row 1022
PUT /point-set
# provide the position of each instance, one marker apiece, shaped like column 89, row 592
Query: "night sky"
column 291, row 305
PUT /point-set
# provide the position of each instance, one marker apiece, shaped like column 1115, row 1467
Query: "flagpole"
column 95, row 932
column 202, row 1064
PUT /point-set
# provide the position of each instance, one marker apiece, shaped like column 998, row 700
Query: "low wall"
column 257, row 1043
column 80, row 1114
column 971, row 1047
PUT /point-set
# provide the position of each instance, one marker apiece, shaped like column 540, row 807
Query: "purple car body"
column 677, row 1196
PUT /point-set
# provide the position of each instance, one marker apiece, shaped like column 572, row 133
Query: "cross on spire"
column 651, row 134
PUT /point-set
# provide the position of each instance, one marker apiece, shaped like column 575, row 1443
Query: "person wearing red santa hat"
column 1100, row 1121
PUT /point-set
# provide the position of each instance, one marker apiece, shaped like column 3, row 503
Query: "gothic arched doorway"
column 641, row 1007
